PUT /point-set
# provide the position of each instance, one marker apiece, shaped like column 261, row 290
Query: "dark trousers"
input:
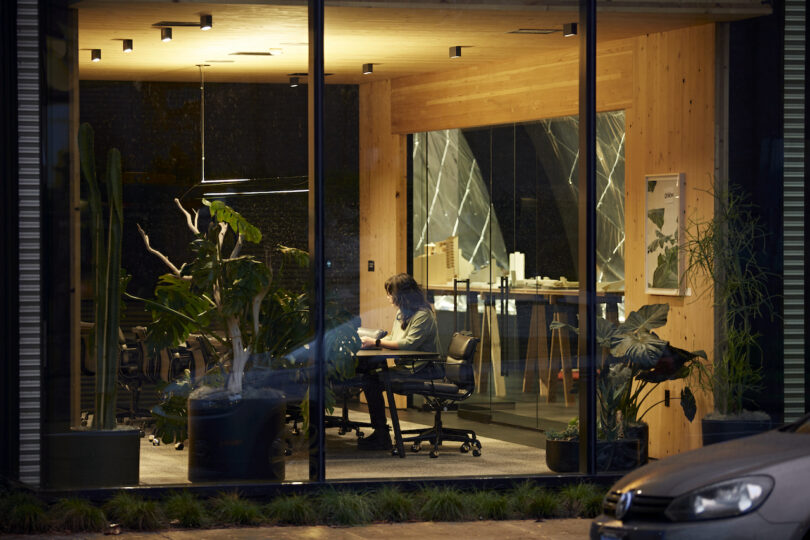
column 373, row 387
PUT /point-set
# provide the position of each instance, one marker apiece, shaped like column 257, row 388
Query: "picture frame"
column 663, row 234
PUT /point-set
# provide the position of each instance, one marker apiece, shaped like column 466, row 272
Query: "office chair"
column 457, row 384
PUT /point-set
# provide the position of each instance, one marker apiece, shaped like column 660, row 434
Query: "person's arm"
column 383, row 343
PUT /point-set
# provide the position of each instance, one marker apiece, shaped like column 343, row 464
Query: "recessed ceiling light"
column 570, row 29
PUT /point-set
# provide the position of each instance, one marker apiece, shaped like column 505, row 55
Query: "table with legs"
column 379, row 358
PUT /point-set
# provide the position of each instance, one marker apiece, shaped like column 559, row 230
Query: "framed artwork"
column 663, row 234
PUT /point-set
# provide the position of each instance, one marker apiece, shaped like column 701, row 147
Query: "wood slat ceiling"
column 400, row 38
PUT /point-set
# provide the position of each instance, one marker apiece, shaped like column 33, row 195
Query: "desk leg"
column 392, row 409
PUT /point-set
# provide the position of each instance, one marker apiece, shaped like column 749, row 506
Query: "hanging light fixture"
column 127, row 45
column 206, row 22
column 368, row 69
column 165, row 34
column 455, row 51
column 293, row 82
column 95, row 55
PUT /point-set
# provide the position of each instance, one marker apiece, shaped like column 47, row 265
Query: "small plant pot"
column 619, row 455
column 237, row 440
column 721, row 430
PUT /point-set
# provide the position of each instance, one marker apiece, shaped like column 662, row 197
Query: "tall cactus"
column 107, row 268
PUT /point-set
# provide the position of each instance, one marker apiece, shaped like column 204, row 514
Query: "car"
column 754, row 487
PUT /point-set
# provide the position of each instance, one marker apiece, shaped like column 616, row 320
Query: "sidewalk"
column 553, row 529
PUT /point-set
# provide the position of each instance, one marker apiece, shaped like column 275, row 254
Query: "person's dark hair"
column 407, row 295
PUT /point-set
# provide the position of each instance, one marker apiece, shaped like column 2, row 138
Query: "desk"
column 379, row 358
column 541, row 363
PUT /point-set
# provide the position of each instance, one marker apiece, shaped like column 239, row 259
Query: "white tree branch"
column 191, row 224
column 159, row 255
column 237, row 247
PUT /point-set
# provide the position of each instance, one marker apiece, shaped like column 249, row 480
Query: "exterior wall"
column 665, row 82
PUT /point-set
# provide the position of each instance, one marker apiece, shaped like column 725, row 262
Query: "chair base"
column 439, row 434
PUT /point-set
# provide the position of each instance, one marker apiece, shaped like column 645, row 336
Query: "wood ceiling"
column 399, row 38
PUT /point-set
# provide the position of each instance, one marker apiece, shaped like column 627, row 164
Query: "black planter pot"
column 640, row 431
column 715, row 431
column 620, row 455
column 84, row 459
column 237, row 440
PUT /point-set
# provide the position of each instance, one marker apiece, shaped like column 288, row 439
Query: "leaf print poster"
column 662, row 230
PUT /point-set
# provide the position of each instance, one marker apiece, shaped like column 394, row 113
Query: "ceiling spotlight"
column 293, row 82
column 127, row 45
column 368, row 69
column 95, row 55
column 165, row 34
column 455, row 51
column 570, row 29
column 206, row 22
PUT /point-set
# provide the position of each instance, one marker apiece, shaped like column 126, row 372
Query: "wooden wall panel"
column 528, row 88
column 670, row 128
column 383, row 203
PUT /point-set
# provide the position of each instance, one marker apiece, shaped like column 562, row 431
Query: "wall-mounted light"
column 368, row 69
column 127, row 45
column 95, row 55
column 570, row 29
column 206, row 22
column 293, row 82
column 165, row 34
column 455, row 51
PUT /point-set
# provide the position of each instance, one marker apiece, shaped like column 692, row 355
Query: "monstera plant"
column 635, row 361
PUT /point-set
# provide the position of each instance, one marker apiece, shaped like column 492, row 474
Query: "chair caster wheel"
column 394, row 452
column 464, row 448
column 476, row 452
column 434, row 453
column 287, row 452
column 360, row 434
column 416, row 447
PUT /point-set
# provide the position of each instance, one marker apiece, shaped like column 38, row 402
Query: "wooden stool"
column 560, row 358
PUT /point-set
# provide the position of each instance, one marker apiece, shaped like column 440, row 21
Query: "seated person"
column 415, row 329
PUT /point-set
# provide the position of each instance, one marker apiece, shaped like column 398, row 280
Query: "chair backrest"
column 459, row 364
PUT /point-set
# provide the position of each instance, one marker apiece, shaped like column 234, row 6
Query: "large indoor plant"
column 724, row 261
column 103, row 454
column 635, row 360
column 256, row 329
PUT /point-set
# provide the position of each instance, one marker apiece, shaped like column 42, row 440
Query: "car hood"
column 681, row 473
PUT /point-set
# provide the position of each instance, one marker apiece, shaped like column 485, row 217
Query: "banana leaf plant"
column 634, row 363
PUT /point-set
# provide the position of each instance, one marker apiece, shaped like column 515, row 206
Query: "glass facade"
column 179, row 285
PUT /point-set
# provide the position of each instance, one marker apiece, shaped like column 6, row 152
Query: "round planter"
column 721, row 430
column 620, row 455
column 237, row 440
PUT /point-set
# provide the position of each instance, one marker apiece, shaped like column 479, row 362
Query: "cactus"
column 107, row 269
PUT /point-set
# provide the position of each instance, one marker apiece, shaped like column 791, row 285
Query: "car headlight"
column 724, row 499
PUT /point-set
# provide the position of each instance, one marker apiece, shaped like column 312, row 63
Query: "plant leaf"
column 688, row 403
column 645, row 319
column 224, row 213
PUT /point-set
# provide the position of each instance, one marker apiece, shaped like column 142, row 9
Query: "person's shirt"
column 420, row 334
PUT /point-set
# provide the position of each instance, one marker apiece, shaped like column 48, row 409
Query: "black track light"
column 206, row 22
column 368, row 69
column 165, row 34
column 127, row 45
column 95, row 55
column 570, row 29
column 293, row 82
column 455, row 51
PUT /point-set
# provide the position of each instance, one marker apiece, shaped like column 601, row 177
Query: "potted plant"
column 258, row 332
column 103, row 453
column 723, row 259
column 634, row 362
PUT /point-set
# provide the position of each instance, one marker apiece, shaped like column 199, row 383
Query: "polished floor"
column 506, row 450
